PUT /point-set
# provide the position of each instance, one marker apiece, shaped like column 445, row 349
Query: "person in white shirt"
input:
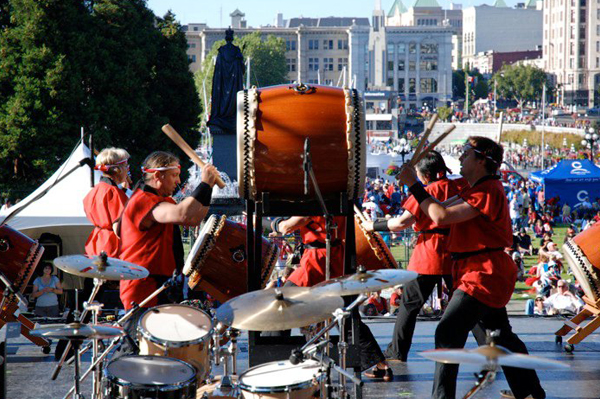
column 563, row 301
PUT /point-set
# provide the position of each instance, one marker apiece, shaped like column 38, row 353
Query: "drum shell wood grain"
column 21, row 251
column 220, row 275
column 366, row 255
column 589, row 242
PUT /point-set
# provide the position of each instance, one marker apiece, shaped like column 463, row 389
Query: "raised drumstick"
column 426, row 134
column 177, row 139
column 434, row 143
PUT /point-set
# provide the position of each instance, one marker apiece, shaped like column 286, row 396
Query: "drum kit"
column 179, row 344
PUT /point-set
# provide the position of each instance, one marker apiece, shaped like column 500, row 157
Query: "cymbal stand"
column 95, row 307
column 76, row 344
column 117, row 340
column 340, row 316
column 484, row 378
column 226, row 385
column 80, row 318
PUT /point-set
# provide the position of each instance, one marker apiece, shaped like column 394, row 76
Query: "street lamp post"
column 404, row 148
column 590, row 139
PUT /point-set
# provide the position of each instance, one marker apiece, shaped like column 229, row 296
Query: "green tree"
column 481, row 89
column 267, row 62
column 458, row 84
column 520, row 82
column 444, row 112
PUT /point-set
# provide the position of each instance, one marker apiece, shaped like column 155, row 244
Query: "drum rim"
column 279, row 388
column 212, row 224
column 582, row 267
column 174, row 344
column 162, row 387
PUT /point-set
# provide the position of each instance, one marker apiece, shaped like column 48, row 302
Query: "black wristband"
column 381, row 225
column 275, row 224
column 419, row 192
column 203, row 193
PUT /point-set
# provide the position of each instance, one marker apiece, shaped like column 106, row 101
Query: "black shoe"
column 376, row 373
column 507, row 394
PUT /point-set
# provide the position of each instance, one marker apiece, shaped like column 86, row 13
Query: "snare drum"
column 272, row 125
column 217, row 262
column 179, row 331
column 144, row 377
column 281, row 380
column 583, row 255
column 19, row 256
column 371, row 251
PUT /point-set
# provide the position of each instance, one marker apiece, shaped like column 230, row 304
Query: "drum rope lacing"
column 270, row 264
column 377, row 244
column 582, row 261
column 357, row 142
column 208, row 245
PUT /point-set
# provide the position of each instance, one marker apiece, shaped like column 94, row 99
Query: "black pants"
column 463, row 313
column 414, row 296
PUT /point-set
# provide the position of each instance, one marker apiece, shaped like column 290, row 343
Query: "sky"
column 215, row 13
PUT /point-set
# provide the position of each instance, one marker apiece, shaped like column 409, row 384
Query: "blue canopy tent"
column 572, row 180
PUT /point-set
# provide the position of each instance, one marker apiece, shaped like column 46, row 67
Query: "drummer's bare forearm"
column 291, row 224
column 402, row 222
column 441, row 215
column 189, row 212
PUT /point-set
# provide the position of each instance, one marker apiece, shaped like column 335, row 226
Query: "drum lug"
column 302, row 88
column 238, row 254
column 4, row 244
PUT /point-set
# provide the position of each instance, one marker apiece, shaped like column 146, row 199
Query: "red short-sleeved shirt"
column 152, row 248
column 103, row 205
column 430, row 255
column 489, row 277
column 312, row 265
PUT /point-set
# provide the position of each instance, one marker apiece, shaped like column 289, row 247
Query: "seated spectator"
column 554, row 254
column 375, row 305
column 536, row 307
column 538, row 228
column 279, row 281
column 563, row 301
column 571, row 233
column 516, row 257
column 524, row 242
column 396, row 298
column 546, row 238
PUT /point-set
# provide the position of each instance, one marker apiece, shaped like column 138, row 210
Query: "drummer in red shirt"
column 312, row 271
column 104, row 204
column 430, row 259
column 484, row 275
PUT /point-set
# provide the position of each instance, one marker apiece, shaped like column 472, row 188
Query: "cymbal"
column 492, row 355
column 77, row 331
column 277, row 309
column 92, row 266
column 370, row 280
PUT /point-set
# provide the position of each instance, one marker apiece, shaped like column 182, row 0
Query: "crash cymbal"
column 492, row 355
column 99, row 267
column 277, row 309
column 77, row 331
column 367, row 281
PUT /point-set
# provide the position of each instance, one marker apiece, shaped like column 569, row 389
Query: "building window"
column 401, row 48
column 401, row 65
column 428, row 85
column 342, row 44
column 329, row 82
column 390, row 82
column 291, row 64
column 327, row 44
column 313, row 81
column 342, row 62
column 313, row 44
column 429, row 48
column 192, row 58
column 328, row 64
column 290, row 45
column 412, row 85
column 412, row 65
column 191, row 45
column 428, row 65
column 313, row 64
column 412, row 48
column 401, row 85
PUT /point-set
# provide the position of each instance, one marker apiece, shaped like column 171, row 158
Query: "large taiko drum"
column 371, row 251
column 179, row 331
column 583, row 255
column 272, row 125
column 218, row 264
column 19, row 256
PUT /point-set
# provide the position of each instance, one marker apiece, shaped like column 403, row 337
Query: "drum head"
column 175, row 323
column 583, row 270
column 150, row 370
column 205, row 233
column 280, row 376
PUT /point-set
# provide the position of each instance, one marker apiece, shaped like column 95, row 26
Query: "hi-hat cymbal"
column 360, row 282
column 77, row 331
column 96, row 267
column 492, row 355
column 277, row 309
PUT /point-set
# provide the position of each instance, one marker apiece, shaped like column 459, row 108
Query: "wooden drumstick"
column 435, row 143
column 177, row 139
column 417, row 152
column 359, row 213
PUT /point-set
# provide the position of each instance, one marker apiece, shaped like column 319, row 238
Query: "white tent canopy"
column 60, row 210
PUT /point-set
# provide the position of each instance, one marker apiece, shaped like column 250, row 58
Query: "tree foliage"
column 520, row 82
column 109, row 66
column 444, row 112
column 267, row 63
